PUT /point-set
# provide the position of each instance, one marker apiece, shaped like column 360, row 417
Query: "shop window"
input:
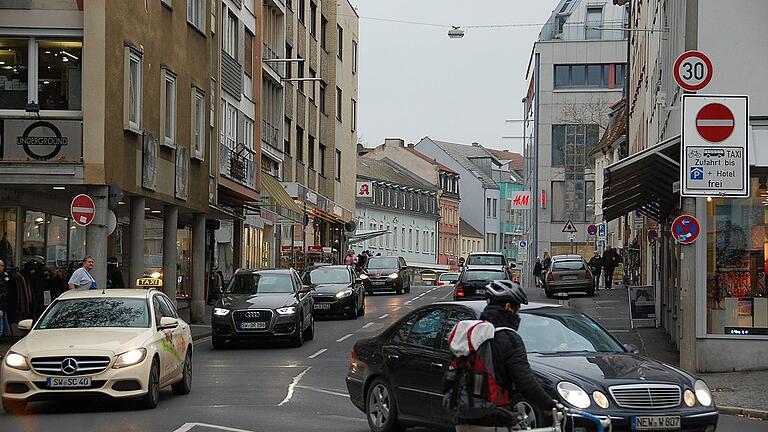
column 76, row 243
column 56, row 241
column 33, row 246
column 8, row 237
column 59, row 75
column 14, row 79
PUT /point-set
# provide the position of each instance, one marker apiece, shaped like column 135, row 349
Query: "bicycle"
column 560, row 414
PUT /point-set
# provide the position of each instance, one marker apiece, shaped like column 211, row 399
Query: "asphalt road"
column 265, row 387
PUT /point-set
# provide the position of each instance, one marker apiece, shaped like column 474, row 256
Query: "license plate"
column 570, row 277
column 377, row 283
column 655, row 423
column 69, row 382
column 322, row 305
column 253, row 325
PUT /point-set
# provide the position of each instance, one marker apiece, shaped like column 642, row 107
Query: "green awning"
column 279, row 198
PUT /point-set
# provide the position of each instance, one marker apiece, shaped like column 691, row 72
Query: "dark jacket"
column 510, row 360
column 546, row 263
column 537, row 269
column 596, row 263
column 610, row 259
column 114, row 277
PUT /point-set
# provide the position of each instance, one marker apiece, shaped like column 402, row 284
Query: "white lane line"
column 189, row 426
column 407, row 303
column 321, row 390
column 383, row 316
column 396, row 309
column 368, row 325
column 343, row 338
column 318, row 353
column 293, row 385
column 201, row 340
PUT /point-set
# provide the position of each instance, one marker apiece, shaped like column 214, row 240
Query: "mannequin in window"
column 6, row 250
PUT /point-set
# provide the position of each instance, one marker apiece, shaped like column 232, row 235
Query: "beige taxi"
column 122, row 343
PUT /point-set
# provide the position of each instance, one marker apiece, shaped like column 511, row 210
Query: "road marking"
column 201, row 340
column 343, row 338
column 383, row 316
column 322, row 390
column 396, row 309
column 318, row 353
column 189, row 426
column 407, row 303
column 293, row 385
column 619, row 331
column 368, row 325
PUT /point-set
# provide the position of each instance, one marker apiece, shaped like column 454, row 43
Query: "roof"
column 467, row 230
column 389, row 171
column 617, row 127
column 110, row 293
column 424, row 157
column 479, row 305
column 250, row 271
column 566, row 257
column 517, row 163
column 463, row 154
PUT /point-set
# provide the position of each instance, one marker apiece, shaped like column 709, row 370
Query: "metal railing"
column 237, row 167
column 269, row 54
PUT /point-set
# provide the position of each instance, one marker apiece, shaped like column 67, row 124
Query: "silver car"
column 566, row 274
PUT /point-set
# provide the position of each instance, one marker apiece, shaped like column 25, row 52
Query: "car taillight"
column 440, row 283
column 588, row 275
column 459, row 290
column 550, row 277
column 352, row 359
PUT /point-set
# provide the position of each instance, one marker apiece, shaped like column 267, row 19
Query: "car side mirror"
column 168, row 323
column 631, row 348
column 512, row 265
column 305, row 289
column 26, row 325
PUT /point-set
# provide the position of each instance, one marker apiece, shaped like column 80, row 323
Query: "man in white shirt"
column 81, row 279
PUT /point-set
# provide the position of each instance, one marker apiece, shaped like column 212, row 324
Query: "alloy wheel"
column 379, row 406
column 526, row 411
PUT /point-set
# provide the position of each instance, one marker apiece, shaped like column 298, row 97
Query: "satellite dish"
column 350, row 226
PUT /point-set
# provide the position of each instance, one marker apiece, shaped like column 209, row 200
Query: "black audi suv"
column 260, row 304
column 336, row 290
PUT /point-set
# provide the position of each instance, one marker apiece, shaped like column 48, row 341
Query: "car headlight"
column 16, row 361
column 573, row 394
column 363, row 276
column 702, row 393
column 290, row 310
column 130, row 358
column 345, row 293
column 220, row 311
column 689, row 398
column 393, row 276
column 600, row 399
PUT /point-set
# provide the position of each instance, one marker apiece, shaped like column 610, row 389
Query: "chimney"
column 394, row 142
column 411, row 145
column 475, row 144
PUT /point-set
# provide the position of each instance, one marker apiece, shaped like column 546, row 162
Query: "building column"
column 137, row 239
column 237, row 243
column 687, row 308
column 170, row 254
column 96, row 234
column 197, row 304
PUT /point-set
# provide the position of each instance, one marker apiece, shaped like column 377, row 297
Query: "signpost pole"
column 96, row 234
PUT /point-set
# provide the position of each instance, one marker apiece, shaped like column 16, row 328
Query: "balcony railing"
column 237, row 167
column 268, row 54
column 270, row 134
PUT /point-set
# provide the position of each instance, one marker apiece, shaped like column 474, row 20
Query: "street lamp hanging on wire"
column 456, row 33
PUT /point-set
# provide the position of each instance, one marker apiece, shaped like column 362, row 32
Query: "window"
column 168, row 108
column 490, row 242
column 230, row 36
column 133, row 90
column 417, row 240
column 402, row 236
column 58, row 74
column 302, row 7
column 196, row 13
column 354, row 57
column 300, row 74
column 338, row 165
column 619, row 75
column 571, row 145
column 322, row 97
column 340, row 41
column 299, row 144
column 312, row 74
column 248, row 56
column 198, row 123
column 586, row 76
column 289, row 3
column 353, row 113
column 287, row 137
column 493, row 207
column 422, row 330
column 323, row 32
column 313, row 19
column 311, row 151
column 230, row 123
column 410, row 239
column 570, row 200
column 288, row 65
column 487, row 207
column 594, row 19
column 394, row 238
column 322, row 160
column 339, row 101
column 248, row 135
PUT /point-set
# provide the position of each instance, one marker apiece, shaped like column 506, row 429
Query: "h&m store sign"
column 520, row 200
column 41, row 140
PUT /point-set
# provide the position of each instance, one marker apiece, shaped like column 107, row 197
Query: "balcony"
column 269, row 54
column 270, row 134
column 236, row 166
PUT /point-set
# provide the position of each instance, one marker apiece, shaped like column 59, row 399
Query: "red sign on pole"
column 685, row 229
column 693, row 70
column 715, row 122
column 82, row 210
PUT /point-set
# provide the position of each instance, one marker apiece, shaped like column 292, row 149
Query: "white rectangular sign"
column 715, row 142
column 364, row 189
column 520, row 200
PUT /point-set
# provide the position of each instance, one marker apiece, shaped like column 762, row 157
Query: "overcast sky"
column 415, row 81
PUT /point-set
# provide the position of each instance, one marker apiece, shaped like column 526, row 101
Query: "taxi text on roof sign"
column 148, row 282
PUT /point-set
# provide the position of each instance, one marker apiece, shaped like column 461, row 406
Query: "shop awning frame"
column 363, row 235
column 280, row 201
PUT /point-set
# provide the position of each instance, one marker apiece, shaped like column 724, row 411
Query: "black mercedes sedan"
column 260, row 304
column 396, row 378
column 336, row 290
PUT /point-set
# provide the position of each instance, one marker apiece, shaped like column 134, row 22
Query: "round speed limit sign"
column 693, row 70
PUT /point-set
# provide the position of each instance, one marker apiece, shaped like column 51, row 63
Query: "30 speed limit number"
column 693, row 70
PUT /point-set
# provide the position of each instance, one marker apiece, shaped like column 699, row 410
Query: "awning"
column 280, row 199
column 363, row 235
column 643, row 181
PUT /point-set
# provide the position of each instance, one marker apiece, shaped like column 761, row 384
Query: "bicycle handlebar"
column 560, row 412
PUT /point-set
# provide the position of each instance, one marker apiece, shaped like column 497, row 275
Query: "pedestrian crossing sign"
column 569, row 227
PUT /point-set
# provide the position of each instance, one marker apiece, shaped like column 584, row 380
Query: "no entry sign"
column 82, row 210
column 715, row 122
column 693, row 70
column 685, row 229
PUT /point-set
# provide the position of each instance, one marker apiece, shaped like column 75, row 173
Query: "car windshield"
column 96, row 312
column 452, row 277
column 330, row 276
column 382, row 263
column 564, row 332
column 568, row 265
column 485, row 260
column 484, row 275
column 260, row 283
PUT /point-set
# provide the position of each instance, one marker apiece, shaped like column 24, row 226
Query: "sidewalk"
column 735, row 393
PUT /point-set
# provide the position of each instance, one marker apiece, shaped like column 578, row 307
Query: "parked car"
column 259, row 304
column 387, row 274
column 447, row 279
column 472, row 281
column 336, row 290
column 121, row 343
column 489, row 259
column 568, row 273
column 396, row 378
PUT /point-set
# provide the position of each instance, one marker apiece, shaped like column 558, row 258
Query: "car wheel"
column 149, row 400
column 381, row 409
column 399, row 289
column 218, row 342
column 185, row 385
column 13, row 406
column 309, row 333
column 547, row 291
column 591, row 292
column 531, row 414
column 298, row 338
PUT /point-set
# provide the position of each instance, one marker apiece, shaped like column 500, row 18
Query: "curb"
column 743, row 412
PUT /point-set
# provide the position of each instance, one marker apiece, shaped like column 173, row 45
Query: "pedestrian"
column 596, row 266
column 114, row 275
column 6, row 284
column 610, row 261
column 537, row 272
column 81, row 279
column 546, row 263
column 350, row 259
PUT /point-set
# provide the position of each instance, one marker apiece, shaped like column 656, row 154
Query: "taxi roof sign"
column 149, row 282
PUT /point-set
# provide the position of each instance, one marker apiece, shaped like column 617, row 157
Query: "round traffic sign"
column 715, row 122
column 685, row 229
column 82, row 210
column 693, row 70
column 523, row 244
column 652, row 235
column 592, row 229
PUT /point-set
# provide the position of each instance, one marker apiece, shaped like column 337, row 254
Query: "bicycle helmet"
column 506, row 291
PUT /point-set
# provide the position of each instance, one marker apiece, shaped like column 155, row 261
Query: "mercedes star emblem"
column 69, row 365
